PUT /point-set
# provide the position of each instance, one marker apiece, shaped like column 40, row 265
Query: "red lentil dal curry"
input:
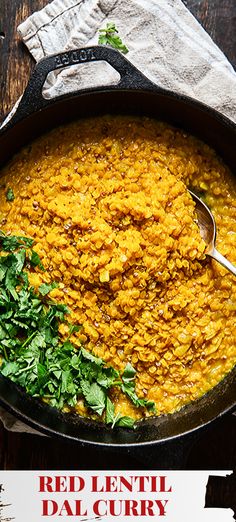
column 107, row 205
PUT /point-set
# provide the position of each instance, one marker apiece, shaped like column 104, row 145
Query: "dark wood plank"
column 219, row 19
column 15, row 61
column 25, row 451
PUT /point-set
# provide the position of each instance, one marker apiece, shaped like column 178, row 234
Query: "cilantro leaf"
column 10, row 195
column 74, row 328
column 90, row 357
column 110, row 411
column 117, row 420
column 9, row 369
column 125, row 422
column 128, row 387
column 94, row 396
column 109, row 36
column 11, row 243
column 35, row 259
column 45, row 288
column 108, row 377
column 129, row 373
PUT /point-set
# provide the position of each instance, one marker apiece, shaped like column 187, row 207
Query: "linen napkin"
column 164, row 40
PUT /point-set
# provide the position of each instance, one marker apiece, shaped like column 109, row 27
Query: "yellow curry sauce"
column 106, row 202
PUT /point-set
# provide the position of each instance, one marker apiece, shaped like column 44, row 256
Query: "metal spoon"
column 207, row 226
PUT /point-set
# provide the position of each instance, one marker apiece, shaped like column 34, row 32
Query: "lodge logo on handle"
column 73, row 57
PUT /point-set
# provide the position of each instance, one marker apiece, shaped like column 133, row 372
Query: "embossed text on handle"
column 72, row 57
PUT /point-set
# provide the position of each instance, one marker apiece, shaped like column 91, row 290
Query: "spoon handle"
column 223, row 261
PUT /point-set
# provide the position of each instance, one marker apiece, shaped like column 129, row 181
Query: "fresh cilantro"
column 110, row 411
column 94, row 395
column 11, row 243
column 32, row 353
column 125, row 422
column 109, row 36
column 128, row 374
column 45, row 288
column 35, row 259
column 73, row 328
column 117, row 420
column 10, row 195
column 128, row 387
column 90, row 357
column 108, row 377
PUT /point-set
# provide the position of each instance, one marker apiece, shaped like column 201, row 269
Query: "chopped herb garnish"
column 128, row 387
column 11, row 243
column 74, row 328
column 10, row 195
column 32, row 353
column 35, row 259
column 109, row 36
column 45, row 288
column 125, row 422
column 110, row 411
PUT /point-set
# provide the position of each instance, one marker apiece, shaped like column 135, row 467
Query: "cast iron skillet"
column 134, row 94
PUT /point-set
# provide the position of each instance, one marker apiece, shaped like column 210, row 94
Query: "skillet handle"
column 33, row 100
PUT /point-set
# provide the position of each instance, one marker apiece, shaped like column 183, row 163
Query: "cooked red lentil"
column 106, row 202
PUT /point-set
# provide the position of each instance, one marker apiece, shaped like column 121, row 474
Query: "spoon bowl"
column 207, row 227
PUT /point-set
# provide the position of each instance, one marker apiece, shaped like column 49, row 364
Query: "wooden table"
column 214, row 448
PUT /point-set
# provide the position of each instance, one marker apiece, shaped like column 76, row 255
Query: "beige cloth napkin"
column 164, row 40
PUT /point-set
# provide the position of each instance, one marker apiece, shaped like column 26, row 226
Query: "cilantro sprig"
column 33, row 354
column 109, row 36
column 10, row 195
